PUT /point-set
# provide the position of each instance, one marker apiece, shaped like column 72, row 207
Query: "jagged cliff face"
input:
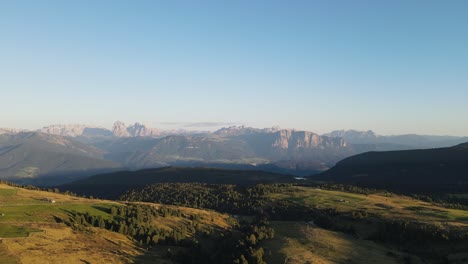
column 290, row 139
column 140, row 130
column 283, row 138
column 120, row 130
column 137, row 130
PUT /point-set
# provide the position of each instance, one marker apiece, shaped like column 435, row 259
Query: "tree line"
column 240, row 244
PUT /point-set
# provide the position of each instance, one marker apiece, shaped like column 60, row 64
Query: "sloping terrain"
column 382, row 223
column 299, row 242
column 435, row 170
column 303, row 225
column 112, row 185
column 33, row 157
column 317, row 225
column 35, row 228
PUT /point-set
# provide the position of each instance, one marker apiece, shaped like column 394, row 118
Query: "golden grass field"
column 381, row 204
column 32, row 236
column 299, row 243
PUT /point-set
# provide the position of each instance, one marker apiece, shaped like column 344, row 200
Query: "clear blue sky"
column 390, row 66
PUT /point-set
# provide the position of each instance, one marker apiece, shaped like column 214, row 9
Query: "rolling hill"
column 428, row 170
column 112, row 185
column 324, row 224
column 278, row 223
column 47, row 227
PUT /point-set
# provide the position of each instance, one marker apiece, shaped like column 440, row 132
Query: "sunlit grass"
column 378, row 204
column 15, row 231
column 7, row 192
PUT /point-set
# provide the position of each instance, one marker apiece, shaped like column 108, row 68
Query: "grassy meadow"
column 30, row 233
column 383, row 204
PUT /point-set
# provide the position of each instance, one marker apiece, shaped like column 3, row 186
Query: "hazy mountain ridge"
column 119, row 129
column 245, row 148
column 137, row 147
column 75, row 130
column 31, row 156
column 49, row 142
column 11, row 131
column 394, row 142
column 242, row 130
column 368, row 140
column 353, row 136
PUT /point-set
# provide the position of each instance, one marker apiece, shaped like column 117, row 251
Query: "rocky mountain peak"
column 136, row 130
column 292, row 139
column 120, row 130
column 140, row 130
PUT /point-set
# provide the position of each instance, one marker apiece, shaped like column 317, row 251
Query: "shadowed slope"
column 430, row 169
column 111, row 185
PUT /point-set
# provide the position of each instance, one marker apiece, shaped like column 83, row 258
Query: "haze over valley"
column 58, row 153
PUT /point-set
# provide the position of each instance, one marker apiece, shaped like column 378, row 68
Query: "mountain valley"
column 58, row 153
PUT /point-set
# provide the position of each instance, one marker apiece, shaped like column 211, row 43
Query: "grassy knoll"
column 298, row 242
column 394, row 223
column 31, row 233
column 380, row 204
column 15, row 231
column 7, row 192
column 6, row 257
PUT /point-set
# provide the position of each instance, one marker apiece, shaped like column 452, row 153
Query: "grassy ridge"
column 31, row 229
column 388, row 220
column 377, row 227
column 382, row 204
column 299, row 242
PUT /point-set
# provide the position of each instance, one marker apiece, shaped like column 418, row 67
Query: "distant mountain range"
column 68, row 150
column 370, row 138
column 422, row 170
column 253, row 149
column 119, row 129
